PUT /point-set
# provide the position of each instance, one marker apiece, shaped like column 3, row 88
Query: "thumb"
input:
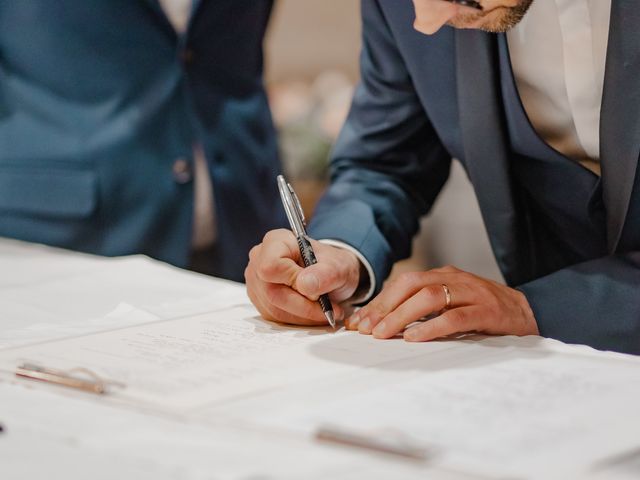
column 321, row 278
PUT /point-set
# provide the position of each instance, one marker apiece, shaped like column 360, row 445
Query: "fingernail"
column 353, row 321
column 410, row 335
column 379, row 331
column 309, row 283
column 364, row 326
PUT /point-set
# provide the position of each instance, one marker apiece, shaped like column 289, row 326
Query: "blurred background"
column 312, row 67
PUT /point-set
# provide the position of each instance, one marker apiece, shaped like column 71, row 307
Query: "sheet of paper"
column 529, row 408
column 47, row 436
column 499, row 407
column 23, row 263
column 48, row 293
column 215, row 357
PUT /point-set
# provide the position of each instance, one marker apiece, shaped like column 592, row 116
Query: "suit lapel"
column 485, row 141
column 620, row 115
column 195, row 4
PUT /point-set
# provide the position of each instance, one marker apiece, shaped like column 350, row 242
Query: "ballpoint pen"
column 394, row 446
column 296, row 218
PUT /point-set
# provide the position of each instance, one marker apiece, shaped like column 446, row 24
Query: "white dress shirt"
column 204, row 224
column 558, row 54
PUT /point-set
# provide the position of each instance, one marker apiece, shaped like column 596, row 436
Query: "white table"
column 52, row 432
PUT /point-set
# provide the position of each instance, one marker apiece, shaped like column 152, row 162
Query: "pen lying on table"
column 369, row 442
column 69, row 378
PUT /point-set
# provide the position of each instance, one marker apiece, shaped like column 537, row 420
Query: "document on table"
column 186, row 363
column 76, row 439
column 510, row 411
column 48, row 293
column 523, row 407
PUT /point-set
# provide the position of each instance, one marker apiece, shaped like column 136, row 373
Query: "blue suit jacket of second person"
column 101, row 103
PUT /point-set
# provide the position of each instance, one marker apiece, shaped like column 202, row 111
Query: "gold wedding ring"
column 447, row 296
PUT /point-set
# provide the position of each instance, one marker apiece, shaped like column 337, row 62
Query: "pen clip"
column 292, row 207
column 298, row 206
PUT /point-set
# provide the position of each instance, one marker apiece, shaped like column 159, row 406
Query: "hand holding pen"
column 284, row 289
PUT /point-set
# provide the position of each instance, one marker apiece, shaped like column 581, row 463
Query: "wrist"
column 531, row 324
column 362, row 278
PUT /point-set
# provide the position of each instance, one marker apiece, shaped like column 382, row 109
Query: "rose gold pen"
column 368, row 442
column 66, row 378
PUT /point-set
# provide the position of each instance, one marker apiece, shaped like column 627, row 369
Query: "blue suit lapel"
column 195, row 4
column 485, row 141
column 620, row 116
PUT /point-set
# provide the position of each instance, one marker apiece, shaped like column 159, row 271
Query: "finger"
column 428, row 300
column 277, row 315
column 351, row 323
column 288, row 300
column 259, row 296
column 457, row 320
column 321, row 278
column 397, row 292
column 276, row 261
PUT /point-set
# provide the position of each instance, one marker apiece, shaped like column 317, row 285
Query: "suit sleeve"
column 596, row 303
column 388, row 164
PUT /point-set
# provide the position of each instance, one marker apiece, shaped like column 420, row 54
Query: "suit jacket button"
column 181, row 171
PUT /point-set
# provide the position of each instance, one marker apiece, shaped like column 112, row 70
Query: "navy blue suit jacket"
column 423, row 100
column 99, row 98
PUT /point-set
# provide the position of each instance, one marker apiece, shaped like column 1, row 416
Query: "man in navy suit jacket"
column 105, row 106
column 546, row 121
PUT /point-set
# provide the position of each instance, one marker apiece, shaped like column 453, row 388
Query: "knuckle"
column 276, row 235
column 431, row 292
column 409, row 280
column 456, row 317
column 379, row 309
column 467, row 277
column 270, row 236
column 266, row 270
column 254, row 253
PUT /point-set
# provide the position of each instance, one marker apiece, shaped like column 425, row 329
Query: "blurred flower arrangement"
column 309, row 116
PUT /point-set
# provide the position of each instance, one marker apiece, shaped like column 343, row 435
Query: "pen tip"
column 330, row 319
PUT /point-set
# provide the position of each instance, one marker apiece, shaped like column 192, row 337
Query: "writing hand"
column 284, row 291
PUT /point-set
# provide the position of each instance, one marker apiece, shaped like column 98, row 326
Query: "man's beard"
column 509, row 18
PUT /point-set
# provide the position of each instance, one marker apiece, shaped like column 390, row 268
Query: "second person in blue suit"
column 138, row 126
